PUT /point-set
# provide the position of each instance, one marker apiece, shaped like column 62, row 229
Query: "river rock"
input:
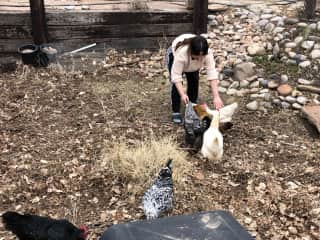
column 315, row 54
column 296, row 106
column 273, row 84
column 253, row 106
column 285, row 105
column 284, row 78
column 243, row 71
column 305, row 64
column 304, row 81
column 302, row 100
column 290, row 45
column 284, row 89
column 307, row 44
column 290, row 99
column 256, row 49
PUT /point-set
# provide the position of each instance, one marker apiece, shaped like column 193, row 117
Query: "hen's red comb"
column 84, row 230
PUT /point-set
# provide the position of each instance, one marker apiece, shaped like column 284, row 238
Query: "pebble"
column 256, row 49
column 263, row 22
column 266, row 16
column 284, row 89
column 273, row 84
column 302, row 24
column 254, row 84
column 302, row 100
column 231, row 91
column 292, row 55
column 290, row 45
column 304, row 81
column 291, row 21
column 284, row 78
column 307, row 44
column 253, row 106
column 285, row 105
column 244, row 83
column 305, row 64
column 222, row 90
column 224, row 83
column 292, row 230
column 296, row 106
column 269, row 27
column 263, row 82
column 313, row 26
column 290, row 99
column 315, row 54
column 276, row 101
column 298, row 40
column 235, row 84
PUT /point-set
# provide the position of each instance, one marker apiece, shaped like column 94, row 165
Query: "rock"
column 269, row 27
column 276, row 102
column 231, row 91
column 267, row 10
column 263, row 82
column 273, row 84
column 291, row 21
column 304, row 81
column 224, row 83
column 296, row 93
column 278, row 30
column 267, row 104
column 276, row 50
column 267, row 96
column 290, row 99
column 302, row 24
column 292, row 55
column 293, row 230
column 220, row 18
column 254, row 84
column 243, row 71
column 253, row 106
column 315, row 54
column 254, row 96
column 298, row 40
column 285, row 105
column 284, row 89
column 266, row 16
column 313, row 115
column 222, row 89
column 307, row 44
column 301, row 58
column 296, row 106
column 284, row 78
column 244, row 83
column 235, row 84
column 256, row 49
column 290, row 45
column 313, row 26
column 263, row 22
column 302, row 100
column 316, row 46
column 305, row 64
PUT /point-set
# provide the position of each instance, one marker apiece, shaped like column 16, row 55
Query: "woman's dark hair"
column 198, row 45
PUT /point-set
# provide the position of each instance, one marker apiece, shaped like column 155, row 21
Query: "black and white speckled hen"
column 158, row 199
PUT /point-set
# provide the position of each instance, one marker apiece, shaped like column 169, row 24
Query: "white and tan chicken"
column 212, row 145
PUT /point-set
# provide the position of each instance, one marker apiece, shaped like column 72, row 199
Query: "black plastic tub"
column 29, row 54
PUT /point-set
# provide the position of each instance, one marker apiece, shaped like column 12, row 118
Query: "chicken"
column 212, row 146
column 226, row 112
column 159, row 197
column 32, row 227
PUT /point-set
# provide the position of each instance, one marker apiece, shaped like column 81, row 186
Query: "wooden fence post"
column 38, row 19
column 200, row 16
column 310, row 8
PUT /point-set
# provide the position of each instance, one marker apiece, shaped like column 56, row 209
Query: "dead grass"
column 142, row 162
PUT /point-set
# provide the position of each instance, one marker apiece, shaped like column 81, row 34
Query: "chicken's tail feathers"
column 169, row 163
column 11, row 219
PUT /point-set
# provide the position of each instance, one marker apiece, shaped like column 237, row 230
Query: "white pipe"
column 84, row 48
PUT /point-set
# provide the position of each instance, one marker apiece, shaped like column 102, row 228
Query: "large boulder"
column 244, row 71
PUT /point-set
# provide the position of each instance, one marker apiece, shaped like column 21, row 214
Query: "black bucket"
column 29, row 54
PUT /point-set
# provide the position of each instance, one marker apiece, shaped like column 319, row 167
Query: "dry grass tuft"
column 142, row 163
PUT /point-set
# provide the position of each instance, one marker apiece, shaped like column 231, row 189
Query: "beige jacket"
column 183, row 62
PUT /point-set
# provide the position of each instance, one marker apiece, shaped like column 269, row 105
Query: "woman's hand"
column 185, row 99
column 217, row 102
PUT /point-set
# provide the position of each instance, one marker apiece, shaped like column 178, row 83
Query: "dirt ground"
column 55, row 123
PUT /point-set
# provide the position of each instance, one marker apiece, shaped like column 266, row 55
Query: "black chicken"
column 32, row 227
column 159, row 197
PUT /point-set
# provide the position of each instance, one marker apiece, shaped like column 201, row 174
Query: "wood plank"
column 112, row 18
column 7, row 47
column 12, row 45
column 15, row 32
column 116, row 31
column 15, row 19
